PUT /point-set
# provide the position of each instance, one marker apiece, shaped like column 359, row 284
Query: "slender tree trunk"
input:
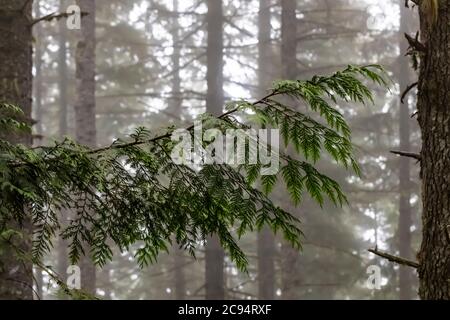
column 214, row 255
column 38, row 89
column 108, row 287
column 38, row 76
column 290, row 256
column 175, row 107
column 62, row 70
column 176, row 102
column 266, row 239
column 63, row 131
column 289, row 38
column 85, row 110
column 405, row 185
column 180, row 279
column 16, row 59
column 434, row 120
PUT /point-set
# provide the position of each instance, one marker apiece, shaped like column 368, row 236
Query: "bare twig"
column 56, row 16
column 395, row 259
column 408, row 155
column 408, row 89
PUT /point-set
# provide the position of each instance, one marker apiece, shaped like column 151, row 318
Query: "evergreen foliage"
column 132, row 192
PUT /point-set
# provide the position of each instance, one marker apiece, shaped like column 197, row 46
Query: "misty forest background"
column 152, row 62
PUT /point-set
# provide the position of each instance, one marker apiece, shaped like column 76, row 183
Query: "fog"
column 152, row 63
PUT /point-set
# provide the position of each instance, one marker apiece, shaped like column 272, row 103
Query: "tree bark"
column 85, row 121
column 405, row 185
column 214, row 254
column 16, row 59
column 266, row 239
column 434, row 120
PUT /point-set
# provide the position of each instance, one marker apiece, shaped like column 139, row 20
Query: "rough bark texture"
column 85, row 109
column 16, row 277
column 214, row 254
column 289, row 22
column 405, row 185
column 266, row 239
column 434, row 120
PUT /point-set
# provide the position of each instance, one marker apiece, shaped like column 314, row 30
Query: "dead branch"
column 415, row 44
column 408, row 89
column 415, row 156
column 55, row 15
column 395, row 259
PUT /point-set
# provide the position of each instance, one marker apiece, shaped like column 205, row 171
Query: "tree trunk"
column 180, row 279
column 63, row 263
column 266, row 239
column 405, row 185
column 16, row 59
column 434, row 121
column 214, row 254
column 289, row 38
column 176, row 101
column 175, row 106
column 85, row 110
column 62, row 70
column 38, row 89
column 38, row 75
column 290, row 256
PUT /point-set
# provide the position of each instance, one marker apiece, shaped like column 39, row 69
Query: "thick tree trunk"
column 405, row 185
column 16, row 276
column 434, row 120
column 289, row 21
column 266, row 239
column 214, row 254
column 85, row 110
